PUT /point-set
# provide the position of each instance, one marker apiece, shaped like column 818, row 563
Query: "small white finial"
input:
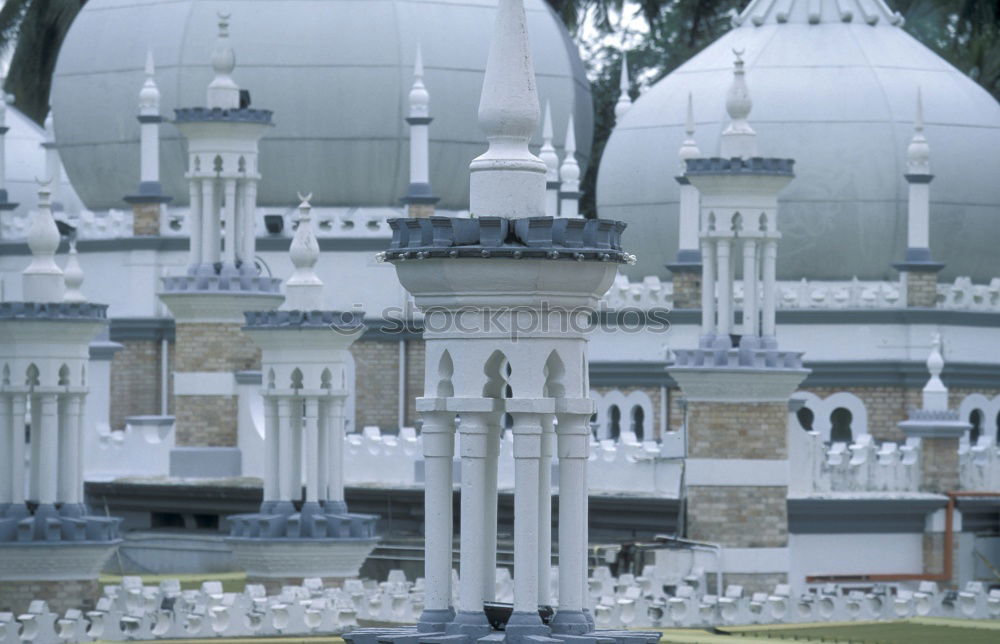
column 43, row 279
column 223, row 92
column 419, row 97
column 935, row 394
column 149, row 95
column 738, row 139
column 548, row 152
column 689, row 148
column 569, row 172
column 73, row 276
column 918, row 154
column 624, row 103
column 304, row 289
column 508, row 180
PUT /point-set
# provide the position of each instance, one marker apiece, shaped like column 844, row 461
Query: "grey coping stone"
column 202, row 114
column 64, row 311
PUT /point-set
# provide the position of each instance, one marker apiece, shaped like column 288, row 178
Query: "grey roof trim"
column 610, row 374
column 865, row 516
column 54, row 311
column 303, row 320
column 899, row 373
column 268, row 243
column 148, row 329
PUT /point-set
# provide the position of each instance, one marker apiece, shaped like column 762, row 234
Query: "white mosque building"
column 794, row 359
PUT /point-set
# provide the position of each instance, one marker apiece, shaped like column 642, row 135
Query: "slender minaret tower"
column 624, row 103
column 222, row 280
column 687, row 269
column 147, row 201
column 44, row 353
column 419, row 199
column 569, row 173
column 304, row 359
column 739, row 209
column 5, row 203
column 492, row 264
column 551, row 158
column 919, row 271
column 53, row 166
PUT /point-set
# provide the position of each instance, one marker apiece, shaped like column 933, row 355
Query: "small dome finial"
column 149, row 95
column 918, row 154
column 43, row 279
column 508, row 180
column 935, row 394
column 548, row 152
column 738, row 139
column 223, row 92
column 689, row 148
column 624, row 103
column 420, row 98
column 73, row 276
column 304, row 289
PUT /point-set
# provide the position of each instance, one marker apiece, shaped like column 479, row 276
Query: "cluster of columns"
column 542, row 428
column 220, row 200
column 303, row 425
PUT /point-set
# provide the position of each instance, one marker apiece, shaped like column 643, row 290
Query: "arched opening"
column 763, row 222
column 497, row 371
column 326, row 379
column 446, row 368
column 737, row 223
column 554, row 373
column 6, row 375
column 64, row 376
column 840, row 425
column 270, row 378
column 32, row 376
column 806, row 418
column 976, row 420
column 296, row 379
column 638, row 422
column 614, row 422
column 217, row 164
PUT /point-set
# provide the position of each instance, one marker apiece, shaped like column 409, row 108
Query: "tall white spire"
column 624, row 103
column 569, row 173
column 223, row 92
column 304, row 289
column 918, row 154
column 420, row 99
column 149, row 95
column 738, row 139
column 73, row 276
column 508, row 180
column 688, row 253
column 43, row 279
column 419, row 197
column 550, row 157
column 689, row 148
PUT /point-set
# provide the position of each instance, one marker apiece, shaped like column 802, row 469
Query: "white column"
column 66, row 445
column 438, row 437
column 495, row 431
column 271, row 454
column 6, row 450
column 545, row 511
column 707, row 288
column 286, row 468
column 78, row 404
column 149, row 152
column 324, row 450
column 229, row 256
column 311, row 448
column 194, row 222
column 48, row 449
column 474, row 433
column 296, row 426
column 750, row 287
column 249, row 221
column 335, row 467
column 724, row 277
column 573, row 436
column 770, row 286
column 918, row 216
column 35, row 446
column 209, row 222
column 18, row 406
column 419, row 151
column 527, row 454
column 688, row 219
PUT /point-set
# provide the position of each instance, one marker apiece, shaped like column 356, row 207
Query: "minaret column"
column 271, row 454
column 708, row 284
column 545, row 511
column 48, row 452
column 495, row 432
column 289, row 486
column 195, row 249
column 232, row 234
column 209, row 223
column 148, row 201
column 770, row 285
column 310, row 449
column 749, row 288
column 6, row 452
column 725, row 285
column 18, row 408
column 335, row 472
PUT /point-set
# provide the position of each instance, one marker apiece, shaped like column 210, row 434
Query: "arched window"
column 638, row 422
column 806, row 418
column 976, row 420
column 614, row 422
column 840, row 425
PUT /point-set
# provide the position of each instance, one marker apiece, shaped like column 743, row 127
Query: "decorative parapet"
column 499, row 237
column 65, row 311
column 754, row 166
column 218, row 283
column 862, row 466
column 339, row 320
column 216, row 115
column 979, row 465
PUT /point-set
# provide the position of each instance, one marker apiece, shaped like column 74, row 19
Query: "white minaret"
column 223, row 92
column 919, row 177
column 550, row 157
column 304, row 289
column 43, row 279
column 53, row 166
column 5, row 203
column 569, row 173
column 419, row 197
column 687, row 247
column 738, row 139
column 149, row 118
column 624, row 103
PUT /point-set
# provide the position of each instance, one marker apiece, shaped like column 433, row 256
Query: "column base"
column 570, row 622
column 523, row 625
column 340, row 507
column 435, row 620
column 282, row 507
column 17, row 511
column 470, row 624
column 73, row 510
column 268, row 507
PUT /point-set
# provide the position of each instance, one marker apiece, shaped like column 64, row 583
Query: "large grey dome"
column 836, row 92
column 335, row 72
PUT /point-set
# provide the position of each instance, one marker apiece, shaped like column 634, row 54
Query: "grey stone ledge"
column 755, row 165
column 242, row 115
column 323, row 320
column 211, row 284
column 53, row 311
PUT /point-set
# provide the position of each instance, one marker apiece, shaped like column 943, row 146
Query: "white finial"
column 570, row 170
column 149, row 95
column 304, row 289
column 419, row 97
column 918, row 154
column 689, row 149
column 935, row 394
column 73, row 276
column 738, row 139
column 508, row 180
column 548, row 152
column 624, row 103
column 43, row 279
column 223, row 92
